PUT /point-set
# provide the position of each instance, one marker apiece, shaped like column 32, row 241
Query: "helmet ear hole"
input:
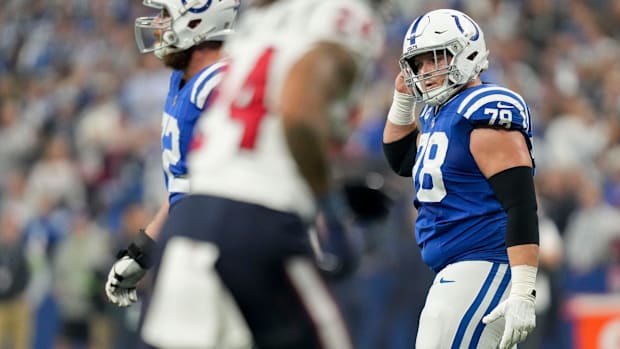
column 456, row 77
column 194, row 23
column 170, row 37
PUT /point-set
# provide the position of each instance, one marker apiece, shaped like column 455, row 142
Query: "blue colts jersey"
column 184, row 104
column 459, row 217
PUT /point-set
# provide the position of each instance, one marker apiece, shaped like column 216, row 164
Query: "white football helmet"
column 450, row 34
column 182, row 24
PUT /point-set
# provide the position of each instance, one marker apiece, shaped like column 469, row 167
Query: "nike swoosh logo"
column 504, row 106
column 444, row 281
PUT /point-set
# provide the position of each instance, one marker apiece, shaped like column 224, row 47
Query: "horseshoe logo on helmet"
column 458, row 24
column 194, row 9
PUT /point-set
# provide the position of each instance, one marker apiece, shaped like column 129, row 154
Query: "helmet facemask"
column 155, row 34
column 416, row 81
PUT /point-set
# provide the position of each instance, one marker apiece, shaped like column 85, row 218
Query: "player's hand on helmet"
column 129, row 269
column 123, row 280
column 403, row 104
column 399, row 84
column 519, row 309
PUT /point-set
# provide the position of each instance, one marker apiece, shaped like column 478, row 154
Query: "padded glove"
column 129, row 269
column 122, row 281
column 519, row 309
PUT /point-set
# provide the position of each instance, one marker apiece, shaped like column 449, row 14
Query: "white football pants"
column 190, row 307
column 460, row 296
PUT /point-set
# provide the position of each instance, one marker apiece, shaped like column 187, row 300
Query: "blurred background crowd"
column 80, row 170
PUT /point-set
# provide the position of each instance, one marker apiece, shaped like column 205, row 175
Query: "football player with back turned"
column 260, row 171
column 472, row 170
column 187, row 36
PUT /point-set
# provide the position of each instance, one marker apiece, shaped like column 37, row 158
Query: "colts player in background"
column 260, row 172
column 472, row 168
column 187, row 37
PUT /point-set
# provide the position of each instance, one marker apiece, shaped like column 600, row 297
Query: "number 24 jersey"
column 240, row 149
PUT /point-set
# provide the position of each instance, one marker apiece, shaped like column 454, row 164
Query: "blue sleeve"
column 497, row 107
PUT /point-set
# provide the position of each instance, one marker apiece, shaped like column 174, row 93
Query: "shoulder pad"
column 206, row 83
column 495, row 106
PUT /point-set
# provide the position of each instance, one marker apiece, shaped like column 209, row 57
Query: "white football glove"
column 519, row 309
column 129, row 269
column 122, row 281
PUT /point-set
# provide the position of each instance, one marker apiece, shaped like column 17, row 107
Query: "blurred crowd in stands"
column 80, row 168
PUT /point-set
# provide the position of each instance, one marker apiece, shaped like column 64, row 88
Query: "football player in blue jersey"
column 470, row 158
column 187, row 36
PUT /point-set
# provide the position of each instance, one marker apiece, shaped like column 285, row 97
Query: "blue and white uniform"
column 459, row 217
column 184, row 104
column 461, row 225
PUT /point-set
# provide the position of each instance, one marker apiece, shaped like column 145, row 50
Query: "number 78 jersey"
column 240, row 151
column 459, row 217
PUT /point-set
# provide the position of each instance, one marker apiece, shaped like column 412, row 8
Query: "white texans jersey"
column 239, row 149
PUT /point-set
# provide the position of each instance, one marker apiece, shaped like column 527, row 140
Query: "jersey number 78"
column 431, row 155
